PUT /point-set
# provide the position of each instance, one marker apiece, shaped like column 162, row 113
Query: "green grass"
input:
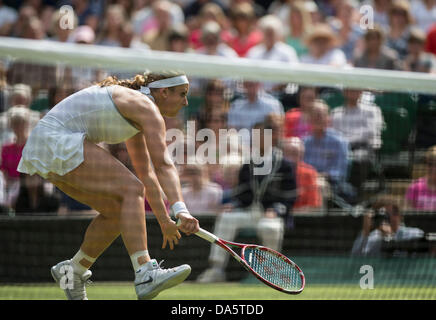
column 224, row 291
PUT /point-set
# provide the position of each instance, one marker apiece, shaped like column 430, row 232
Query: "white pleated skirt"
column 52, row 148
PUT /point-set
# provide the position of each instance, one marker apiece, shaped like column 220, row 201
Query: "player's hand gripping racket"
column 269, row 266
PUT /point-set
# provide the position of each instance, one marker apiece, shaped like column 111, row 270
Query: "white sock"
column 134, row 258
column 75, row 261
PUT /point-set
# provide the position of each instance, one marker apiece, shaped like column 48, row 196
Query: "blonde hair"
column 140, row 80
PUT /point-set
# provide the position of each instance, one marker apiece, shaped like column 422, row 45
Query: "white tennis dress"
column 56, row 143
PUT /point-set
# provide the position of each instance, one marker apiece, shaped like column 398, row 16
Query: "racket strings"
column 274, row 269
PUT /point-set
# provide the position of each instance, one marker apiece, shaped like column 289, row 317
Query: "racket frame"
column 206, row 235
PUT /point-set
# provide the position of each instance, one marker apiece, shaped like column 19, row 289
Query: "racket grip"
column 206, row 235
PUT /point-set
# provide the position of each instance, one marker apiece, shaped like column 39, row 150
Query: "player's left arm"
column 137, row 149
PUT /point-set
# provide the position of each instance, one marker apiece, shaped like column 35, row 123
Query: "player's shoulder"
column 127, row 95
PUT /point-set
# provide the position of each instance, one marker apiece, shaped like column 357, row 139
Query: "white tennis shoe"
column 73, row 284
column 151, row 279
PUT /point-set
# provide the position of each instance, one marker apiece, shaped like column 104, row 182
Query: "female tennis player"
column 63, row 149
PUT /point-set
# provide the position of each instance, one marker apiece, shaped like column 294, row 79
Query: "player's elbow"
column 163, row 165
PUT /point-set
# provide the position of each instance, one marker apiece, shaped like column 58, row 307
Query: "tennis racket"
column 269, row 266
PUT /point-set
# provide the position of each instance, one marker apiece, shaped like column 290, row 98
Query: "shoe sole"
column 171, row 282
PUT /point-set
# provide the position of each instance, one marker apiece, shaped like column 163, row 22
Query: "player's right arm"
column 143, row 113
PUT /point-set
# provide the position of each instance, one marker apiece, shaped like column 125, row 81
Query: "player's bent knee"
column 132, row 188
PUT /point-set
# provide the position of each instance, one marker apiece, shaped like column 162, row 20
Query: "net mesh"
column 274, row 269
column 323, row 235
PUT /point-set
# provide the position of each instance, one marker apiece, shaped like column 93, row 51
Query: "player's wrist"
column 177, row 208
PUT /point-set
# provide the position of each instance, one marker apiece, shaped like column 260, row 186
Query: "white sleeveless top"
column 56, row 143
column 92, row 112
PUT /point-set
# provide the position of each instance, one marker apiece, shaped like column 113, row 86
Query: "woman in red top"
column 297, row 119
column 244, row 34
column 18, row 118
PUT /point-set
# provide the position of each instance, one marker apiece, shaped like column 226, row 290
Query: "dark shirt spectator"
column 417, row 59
column 375, row 54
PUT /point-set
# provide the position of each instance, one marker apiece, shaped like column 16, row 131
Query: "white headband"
column 169, row 82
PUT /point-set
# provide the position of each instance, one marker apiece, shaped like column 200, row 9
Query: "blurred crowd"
column 324, row 155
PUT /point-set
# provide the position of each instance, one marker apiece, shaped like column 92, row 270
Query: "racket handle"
column 206, row 235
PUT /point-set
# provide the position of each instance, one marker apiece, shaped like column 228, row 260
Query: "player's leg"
column 101, row 175
column 103, row 229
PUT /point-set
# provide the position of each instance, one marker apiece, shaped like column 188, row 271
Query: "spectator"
column 20, row 98
column 18, row 121
column 214, row 99
column 280, row 9
column 157, row 37
column 87, row 12
column 375, row 53
column 244, row 34
column 308, row 192
column 212, row 44
column 383, row 221
column 226, row 175
column 253, row 108
column 128, row 39
column 400, row 21
column 5, row 89
column 77, row 76
column 300, row 23
column 297, row 120
column 38, row 76
column 424, row 13
column 83, row 35
column 314, row 11
column 25, row 14
column 209, row 12
column 347, row 28
column 57, row 94
column 327, row 8
column 194, row 8
column 202, row 196
column 145, row 20
column 322, row 45
column 178, row 39
column 327, row 151
column 361, row 124
column 8, row 17
column 380, row 9
column 272, row 47
column 44, row 10
column 34, row 29
column 111, row 30
column 430, row 41
column 57, row 31
column 417, row 59
column 421, row 194
column 262, row 202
